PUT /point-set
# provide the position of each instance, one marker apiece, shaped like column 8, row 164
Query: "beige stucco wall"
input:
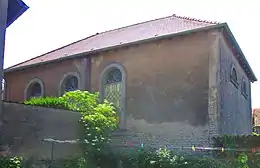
column 51, row 75
column 172, row 87
column 168, row 88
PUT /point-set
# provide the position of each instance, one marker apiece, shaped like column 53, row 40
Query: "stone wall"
column 24, row 127
column 235, row 108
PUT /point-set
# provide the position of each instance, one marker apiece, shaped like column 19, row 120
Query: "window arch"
column 69, row 82
column 113, row 89
column 244, row 87
column 233, row 76
column 35, row 88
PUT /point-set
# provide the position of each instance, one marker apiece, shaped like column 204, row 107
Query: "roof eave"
column 10, row 69
column 254, row 79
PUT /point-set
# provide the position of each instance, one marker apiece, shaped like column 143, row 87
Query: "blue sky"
column 50, row 24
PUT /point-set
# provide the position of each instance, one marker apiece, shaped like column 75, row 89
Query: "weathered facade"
column 171, row 89
column 236, row 115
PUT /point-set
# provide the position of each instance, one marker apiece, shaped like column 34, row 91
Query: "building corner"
column 214, row 88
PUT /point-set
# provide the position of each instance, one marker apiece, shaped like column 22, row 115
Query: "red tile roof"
column 137, row 32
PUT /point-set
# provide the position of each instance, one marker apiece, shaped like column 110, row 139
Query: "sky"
column 49, row 24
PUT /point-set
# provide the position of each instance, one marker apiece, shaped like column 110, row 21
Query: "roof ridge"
column 52, row 51
column 142, row 22
column 195, row 19
column 174, row 15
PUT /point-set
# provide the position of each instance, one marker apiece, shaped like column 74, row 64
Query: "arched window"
column 35, row 88
column 233, row 76
column 113, row 89
column 69, row 82
column 113, row 86
column 244, row 87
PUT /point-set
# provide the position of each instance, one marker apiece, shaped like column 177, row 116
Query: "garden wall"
column 24, row 127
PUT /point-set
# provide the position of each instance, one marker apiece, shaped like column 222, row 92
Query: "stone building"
column 174, row 80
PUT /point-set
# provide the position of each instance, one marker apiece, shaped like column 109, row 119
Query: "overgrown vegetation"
column 99, row 119
column 13, row 162
column 51, row 102
column 247, row 149
column 165, row 158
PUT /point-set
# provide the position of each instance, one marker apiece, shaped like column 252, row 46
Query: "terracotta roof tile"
column 141, row 31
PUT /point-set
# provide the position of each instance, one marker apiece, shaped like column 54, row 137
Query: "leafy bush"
column 165, row 158
column 6, row 162
column 256, row 134
column 161, row 158
column 247, row 141
column 98, row 119
column 51, row 102
column 77, row 162
column 243, row 158
column 82, row 101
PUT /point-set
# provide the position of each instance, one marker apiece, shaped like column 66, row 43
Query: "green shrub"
column 51, row 102
column 247, row 141
column 98, row 119
column 76, row 162
column 6, row 162
column 164, row 158
column 244, row 159
column 256, row 134
column 82, row 101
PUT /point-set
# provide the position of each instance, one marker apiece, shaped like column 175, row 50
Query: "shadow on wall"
column 24, row 128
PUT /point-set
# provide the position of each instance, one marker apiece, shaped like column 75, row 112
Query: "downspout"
column 88, row 65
